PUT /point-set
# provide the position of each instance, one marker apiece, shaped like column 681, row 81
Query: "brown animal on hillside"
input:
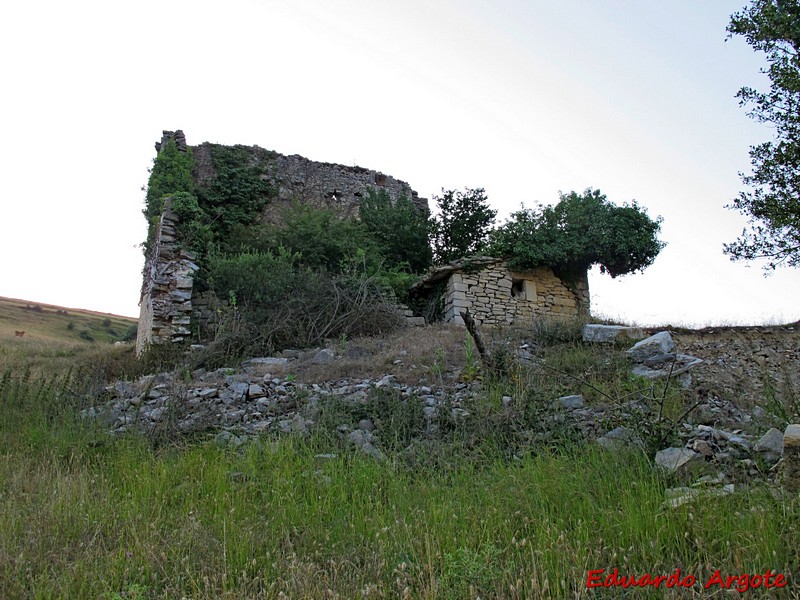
column 19, row 333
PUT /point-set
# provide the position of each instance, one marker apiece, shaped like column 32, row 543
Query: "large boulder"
column 770, row 446
column 658, row 344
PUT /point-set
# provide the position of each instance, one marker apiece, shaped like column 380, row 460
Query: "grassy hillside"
column 49, row 323
column 56, row 339
column 84, row 514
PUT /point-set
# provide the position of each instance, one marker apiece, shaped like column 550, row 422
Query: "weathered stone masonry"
column 325, row 185
column 169, row 304
column 165, row 308
column 496, row 295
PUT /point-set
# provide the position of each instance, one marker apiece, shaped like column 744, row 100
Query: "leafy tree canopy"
column 463, row 224
column 580, row 231
column 398, row 229
column 772, row 201
column 320, row 239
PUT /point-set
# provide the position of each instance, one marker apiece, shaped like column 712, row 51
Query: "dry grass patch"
column 425, row 355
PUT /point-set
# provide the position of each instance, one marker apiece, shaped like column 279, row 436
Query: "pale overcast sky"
column 524, row 98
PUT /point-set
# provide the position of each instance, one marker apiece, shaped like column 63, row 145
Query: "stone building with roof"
column 498, row 295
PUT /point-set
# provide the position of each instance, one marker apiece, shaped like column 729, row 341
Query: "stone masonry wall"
column 325, row 185
column 495, row 295
column 165, row 307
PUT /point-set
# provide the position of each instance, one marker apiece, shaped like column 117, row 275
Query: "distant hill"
column 47, row 322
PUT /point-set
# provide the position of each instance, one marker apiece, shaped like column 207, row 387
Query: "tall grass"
column 477, row 513
column 84, row 515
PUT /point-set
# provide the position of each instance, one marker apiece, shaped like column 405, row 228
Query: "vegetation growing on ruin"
column 171, row 174
column 239, row 190
column 463, row 224
column 270, row 273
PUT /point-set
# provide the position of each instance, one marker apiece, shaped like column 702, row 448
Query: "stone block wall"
column 496, row 295
column 169, row 305
column 324, row 185
column 165, row 306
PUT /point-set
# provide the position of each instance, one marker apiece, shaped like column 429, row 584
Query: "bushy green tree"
column 772, row 201
column 254, row 279
column 398, row 229
column 463, row 224
column 321, row 239
column 580, row 231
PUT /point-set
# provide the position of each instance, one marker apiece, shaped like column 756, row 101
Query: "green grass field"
column 87, row 515
column 49, row 323
column 57, row 339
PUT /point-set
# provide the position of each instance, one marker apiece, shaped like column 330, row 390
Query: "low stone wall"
column 496, row 295
column 165, row 307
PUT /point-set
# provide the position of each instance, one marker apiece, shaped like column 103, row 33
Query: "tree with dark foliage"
column 580, row 231
column 463, row 224
column 772, row 201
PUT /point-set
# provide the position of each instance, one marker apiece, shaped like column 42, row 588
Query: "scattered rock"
column 791, row 458
column 702, row 447
column 459, row 414
column 571, row 402
column 620, row 437
column 269, row 360
column 771, row 442
column 246, row 404
column 228, row 439
column 255, row 391
column 324, row 357
column 666, row 365
column 677, row 459
column 660, row 343
column 681, row 495
column 734, row 439
column 610, row 333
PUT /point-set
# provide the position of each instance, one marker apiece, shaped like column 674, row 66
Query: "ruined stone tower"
column 169, row 302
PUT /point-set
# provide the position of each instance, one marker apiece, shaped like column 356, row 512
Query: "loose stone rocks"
column 610, row 333
column 660, row 343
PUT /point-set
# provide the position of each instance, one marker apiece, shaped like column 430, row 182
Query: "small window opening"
column 518, row 289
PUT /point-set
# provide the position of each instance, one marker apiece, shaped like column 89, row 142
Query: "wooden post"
column 486, row 356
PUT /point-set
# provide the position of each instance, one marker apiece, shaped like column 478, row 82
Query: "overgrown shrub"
column 274, row 303
column 322, row 240
column 171, row 173
column 239, row 189
column 399, row 229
